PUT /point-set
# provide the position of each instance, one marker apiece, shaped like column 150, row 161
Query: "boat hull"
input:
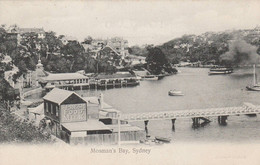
column 154, row 78
column 175, row 93
column 162, row 139
column 253, row 88
column 219, row 72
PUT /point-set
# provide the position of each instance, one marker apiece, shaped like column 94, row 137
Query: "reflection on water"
column 200, row 91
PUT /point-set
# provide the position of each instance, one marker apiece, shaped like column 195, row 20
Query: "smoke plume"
column 240, row 53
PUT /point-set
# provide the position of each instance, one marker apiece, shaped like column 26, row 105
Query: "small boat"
column 150, row 77
column 161, row 76
column 220, row 70
column 175, row 93
column 163, row 139
column 255, row 86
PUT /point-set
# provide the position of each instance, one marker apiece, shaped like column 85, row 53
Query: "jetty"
column 197, row 115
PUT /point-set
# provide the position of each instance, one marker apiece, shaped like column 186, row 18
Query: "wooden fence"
column 108, row 138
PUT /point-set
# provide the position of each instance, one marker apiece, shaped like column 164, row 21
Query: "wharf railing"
column 247, row 108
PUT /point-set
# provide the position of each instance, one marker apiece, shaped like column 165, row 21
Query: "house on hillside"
column 133, row 59
column 39, row 31
column 119, row 45
column 66, row 39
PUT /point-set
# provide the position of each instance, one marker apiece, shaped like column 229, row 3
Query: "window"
column 57, row 111
column 80, row 80
column 46, row 106
column 51, row 109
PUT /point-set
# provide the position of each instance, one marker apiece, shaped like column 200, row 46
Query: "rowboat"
column 175, row 93
column 163, row 139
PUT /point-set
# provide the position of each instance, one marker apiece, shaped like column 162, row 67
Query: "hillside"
column 211, row 45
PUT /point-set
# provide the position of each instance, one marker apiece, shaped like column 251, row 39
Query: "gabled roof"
column 57, row 95
column 109, row 47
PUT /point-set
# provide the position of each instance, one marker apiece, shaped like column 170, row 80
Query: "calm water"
column 201, row 91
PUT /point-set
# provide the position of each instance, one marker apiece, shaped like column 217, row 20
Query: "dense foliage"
column 19, row 131
column 205, row 47
column 157, row 63
column 6, row 91
column 56, row 56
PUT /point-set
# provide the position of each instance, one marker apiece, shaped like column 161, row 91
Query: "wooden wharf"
column 195, row 114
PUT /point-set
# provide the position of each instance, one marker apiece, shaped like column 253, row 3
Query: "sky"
column 139, row 22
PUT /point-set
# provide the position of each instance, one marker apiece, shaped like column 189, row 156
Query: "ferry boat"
column 255, row 86
column 175, row 92
column 220, row 70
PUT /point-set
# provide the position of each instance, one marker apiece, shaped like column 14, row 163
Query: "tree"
column 72, row 51
column 88, row 40
column 155, row 60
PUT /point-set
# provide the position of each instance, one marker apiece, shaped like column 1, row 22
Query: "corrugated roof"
column 114, row 76
column 125, row 128
column 38, row 110
column 64, row 76
column 89, row 125
column 57, row 95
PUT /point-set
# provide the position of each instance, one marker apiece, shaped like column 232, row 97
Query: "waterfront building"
column 67, row 115
column 70, row 81
column 86, row 120
column 116, row 80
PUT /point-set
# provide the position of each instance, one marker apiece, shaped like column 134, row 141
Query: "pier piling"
column 173, row 124
column 145, row 126
column 222, row 120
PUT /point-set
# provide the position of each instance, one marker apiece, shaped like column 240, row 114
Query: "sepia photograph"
column 133, row 82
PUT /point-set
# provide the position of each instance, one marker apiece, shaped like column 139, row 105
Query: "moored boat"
column 255, row 86
column 175, row 92
column 163, row 139
column 220, row 70
column 150, row 77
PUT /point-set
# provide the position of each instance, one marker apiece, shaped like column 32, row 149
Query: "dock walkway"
column 195, row 114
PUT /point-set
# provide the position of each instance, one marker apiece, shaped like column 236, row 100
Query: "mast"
column 254, row 80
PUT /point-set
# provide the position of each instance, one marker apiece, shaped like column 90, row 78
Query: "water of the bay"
column 200, row 91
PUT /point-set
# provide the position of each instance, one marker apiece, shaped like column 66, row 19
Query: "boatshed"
column 68, row 115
